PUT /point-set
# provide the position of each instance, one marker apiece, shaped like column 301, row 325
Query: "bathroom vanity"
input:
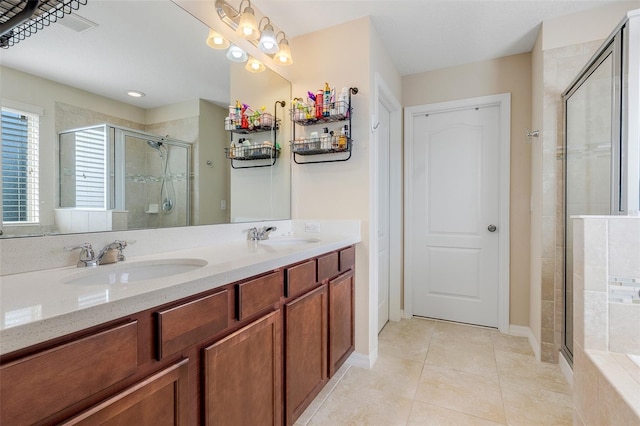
column 250, row 351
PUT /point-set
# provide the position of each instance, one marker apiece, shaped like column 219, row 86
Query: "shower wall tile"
column 585, row 386
column 624, row 328
column 578, row 311
column 595, row 255
column 624, row 247
column 548, row 279
column 596, row 320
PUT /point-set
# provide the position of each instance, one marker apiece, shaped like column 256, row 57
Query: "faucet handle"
column 87, row 255
column 252, row 234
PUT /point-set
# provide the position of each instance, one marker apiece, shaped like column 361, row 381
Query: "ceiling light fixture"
column 236, row 54
column 268, row 41
column 216, row 41
column 135, row 94
column 254, row 65
column 244, row 23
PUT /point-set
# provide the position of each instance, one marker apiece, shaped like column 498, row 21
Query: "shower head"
column 154, row 144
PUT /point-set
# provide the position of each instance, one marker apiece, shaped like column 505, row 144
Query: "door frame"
column 503, row 101
column 383, row 94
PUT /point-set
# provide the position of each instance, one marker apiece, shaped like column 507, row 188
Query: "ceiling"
column 156, row 47
column 423, row 35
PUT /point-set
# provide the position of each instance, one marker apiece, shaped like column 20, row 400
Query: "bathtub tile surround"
column 606, row 319
column 439, row 373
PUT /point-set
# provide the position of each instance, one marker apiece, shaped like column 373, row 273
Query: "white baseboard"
column 566, row 369
column 357, row 359
column 523, row 331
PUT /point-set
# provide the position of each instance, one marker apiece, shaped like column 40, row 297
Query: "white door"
column 454, row 219
column 384, row 117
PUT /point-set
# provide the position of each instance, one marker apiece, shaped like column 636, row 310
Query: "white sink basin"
column 289, row 241
column 123, row 273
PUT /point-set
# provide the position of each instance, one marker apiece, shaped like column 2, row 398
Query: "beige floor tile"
column 423, row 414
column 390, row 375
column 449, row 331
column 528, row 372
column 363, row 406
column 307, row 414
column 469, row 357
column 407, row 339
column 531, row 405
column 470, row 393
column 513, row 344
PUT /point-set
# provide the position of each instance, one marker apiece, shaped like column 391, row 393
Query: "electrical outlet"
column 223, row 204
column 312, row 227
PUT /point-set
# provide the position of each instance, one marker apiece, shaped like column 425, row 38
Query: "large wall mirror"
column 159, row 159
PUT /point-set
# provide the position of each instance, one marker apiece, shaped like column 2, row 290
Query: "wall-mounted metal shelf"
column 252, row 153
column 256, row 152
column 333, row 147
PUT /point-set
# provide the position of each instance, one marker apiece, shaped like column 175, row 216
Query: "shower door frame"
column 612, row 47
column 120, row 135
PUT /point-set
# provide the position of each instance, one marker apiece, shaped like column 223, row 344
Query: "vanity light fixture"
column 283, row 57
column 216, row 41
column 135, row 94
column 244, row 23
column 236, row 54
column 268, row 40
column 248, row 25
column 254, row 65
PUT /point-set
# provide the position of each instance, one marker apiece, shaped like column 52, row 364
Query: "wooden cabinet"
column 68, row 373
column 305, row 324
column 341, row 320
column 243, row 376
column 254, row 352
column 159, row 400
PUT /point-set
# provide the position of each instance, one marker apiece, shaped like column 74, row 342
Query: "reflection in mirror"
column 77, row 80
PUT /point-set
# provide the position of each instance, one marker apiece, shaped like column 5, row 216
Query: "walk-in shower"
column 141, row 175
column 601, row 146
column 167, row 189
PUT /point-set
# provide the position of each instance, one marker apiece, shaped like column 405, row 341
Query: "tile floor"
column 440, row 373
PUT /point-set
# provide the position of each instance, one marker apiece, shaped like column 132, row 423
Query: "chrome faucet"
column 87, row 255
column 111, row 253
column 255, row 234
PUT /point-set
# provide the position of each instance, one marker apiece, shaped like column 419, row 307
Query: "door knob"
column 492, row 228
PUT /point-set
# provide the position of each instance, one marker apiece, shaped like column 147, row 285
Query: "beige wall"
column 340, row 56
column 511, row 74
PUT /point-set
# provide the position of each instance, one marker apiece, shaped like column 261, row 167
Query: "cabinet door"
column 64, row 375
column 243, row 376
column 341, row 310
column 305, row 350
column 159, row 400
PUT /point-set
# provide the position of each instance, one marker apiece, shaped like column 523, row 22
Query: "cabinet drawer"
column 191, row 322
column 301, row 278
column 257, row 295
column 35, row 387
column 327, row 266
column 347, row 258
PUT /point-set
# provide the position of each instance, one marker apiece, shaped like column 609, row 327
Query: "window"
column 20, row 197
column 91, row 168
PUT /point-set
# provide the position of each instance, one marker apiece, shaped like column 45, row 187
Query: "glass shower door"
column 590, row 150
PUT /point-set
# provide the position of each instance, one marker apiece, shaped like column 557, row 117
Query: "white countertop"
column 38, row 306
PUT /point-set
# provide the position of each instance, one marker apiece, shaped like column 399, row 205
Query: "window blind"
column 91, row 168
column 20, row 193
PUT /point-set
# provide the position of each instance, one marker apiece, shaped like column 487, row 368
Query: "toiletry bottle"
column 238, row 115
column 326, row 100
column 319, row 103
column 342, row 139
column 325, row 140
